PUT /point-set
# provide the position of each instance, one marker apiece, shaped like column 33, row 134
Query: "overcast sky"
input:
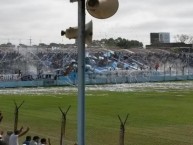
column 43, row 20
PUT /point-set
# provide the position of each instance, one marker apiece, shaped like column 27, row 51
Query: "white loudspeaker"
column 102, row 9
column 72, row 33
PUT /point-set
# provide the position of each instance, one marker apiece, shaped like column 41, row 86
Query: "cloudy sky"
column 42, row 20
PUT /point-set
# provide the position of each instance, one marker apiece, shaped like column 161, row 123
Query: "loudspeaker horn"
column 102, row 9
column 72, row 33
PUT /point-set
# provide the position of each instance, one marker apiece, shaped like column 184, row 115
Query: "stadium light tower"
column 100, row 9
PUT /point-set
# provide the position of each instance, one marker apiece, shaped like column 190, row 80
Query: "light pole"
column 99, row 9
column 81, row 70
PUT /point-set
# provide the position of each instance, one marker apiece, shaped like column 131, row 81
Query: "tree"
column 43, row 45
column 121, row 43
column 183, row 38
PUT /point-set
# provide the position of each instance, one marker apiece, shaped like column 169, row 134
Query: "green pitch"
column 155, row 118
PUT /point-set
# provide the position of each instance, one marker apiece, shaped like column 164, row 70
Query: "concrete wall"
column 98, row 79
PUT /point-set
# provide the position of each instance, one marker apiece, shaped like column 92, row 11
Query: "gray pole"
column 189, row 61
column 81, row 70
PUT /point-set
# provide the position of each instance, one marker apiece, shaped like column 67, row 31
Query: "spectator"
column 49, row 142
column 1, row 117
column 13, row 140
column 27, row 140
column 43, row 141
column 1, row 137
column 1, row 133
column 2, row 142
column 7, row 136
column 35, row 140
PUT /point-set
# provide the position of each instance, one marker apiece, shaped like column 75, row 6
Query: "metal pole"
column 189, row 61
column 81, row 71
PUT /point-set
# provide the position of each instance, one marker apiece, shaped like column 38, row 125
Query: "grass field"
column 156, row 118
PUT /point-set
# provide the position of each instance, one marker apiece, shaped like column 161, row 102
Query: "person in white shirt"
column 13, row 140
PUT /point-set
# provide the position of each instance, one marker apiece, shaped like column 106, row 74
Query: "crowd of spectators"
column 12, row 137
column 59, row 59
